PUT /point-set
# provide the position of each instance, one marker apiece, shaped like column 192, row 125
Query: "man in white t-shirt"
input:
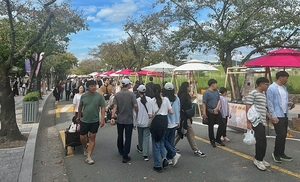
column 278, row 106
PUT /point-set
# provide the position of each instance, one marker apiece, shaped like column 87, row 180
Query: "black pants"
column 225, row 126
column 212, row 120
column 57, row 96
column 261, row 141
column 68, row 95
column 75, row 91
column 281, row 131
column 125, row 149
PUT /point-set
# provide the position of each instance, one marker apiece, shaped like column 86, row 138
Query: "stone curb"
column 26, row 171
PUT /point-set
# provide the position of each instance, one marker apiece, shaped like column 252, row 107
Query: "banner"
column 39, row 63
column 27, row 66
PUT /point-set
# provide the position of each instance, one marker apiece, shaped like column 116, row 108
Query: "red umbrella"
column 126, row 71
column 109, row 72
column 279, row 58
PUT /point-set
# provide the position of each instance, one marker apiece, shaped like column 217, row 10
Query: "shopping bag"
column 249, row 137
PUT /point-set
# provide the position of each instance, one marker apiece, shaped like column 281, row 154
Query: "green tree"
column 88, row 66
column 226, row 26
column 23, row 26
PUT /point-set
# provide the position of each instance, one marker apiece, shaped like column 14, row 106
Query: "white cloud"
column 89, row 9
column 118, row 12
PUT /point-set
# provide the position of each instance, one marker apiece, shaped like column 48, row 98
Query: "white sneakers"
column 89, row 160
column 261, row 164
column 175, row 159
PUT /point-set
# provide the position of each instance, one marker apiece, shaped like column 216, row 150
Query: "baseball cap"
column 126, row 81
column 169, row 86
column 141, row 88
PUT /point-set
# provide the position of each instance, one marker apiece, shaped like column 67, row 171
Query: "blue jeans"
column 143, row 139
column 169, row 142
column 124, row 149
column 61, row 95
column 158, row 151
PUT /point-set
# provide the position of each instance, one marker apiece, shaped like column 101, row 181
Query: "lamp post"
column 51, row 71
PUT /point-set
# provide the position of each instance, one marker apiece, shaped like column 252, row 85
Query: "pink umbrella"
column 279, row 58
column 109, row 72
column 126, row 71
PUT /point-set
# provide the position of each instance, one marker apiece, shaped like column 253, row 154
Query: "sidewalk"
column 16, row 164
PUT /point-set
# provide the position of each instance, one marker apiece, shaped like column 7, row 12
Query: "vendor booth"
column 285, row 58
column 188, row 69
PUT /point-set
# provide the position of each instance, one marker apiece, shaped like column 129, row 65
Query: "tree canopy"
column 226, row 26
column 27, row 29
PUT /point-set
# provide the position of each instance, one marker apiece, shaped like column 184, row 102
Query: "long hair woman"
column 145, row 111
column 76, row 99
column 173, row 123
column 186, row 121
column 159, row 125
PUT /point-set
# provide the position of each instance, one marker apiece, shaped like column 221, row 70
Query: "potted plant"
column 30, row 107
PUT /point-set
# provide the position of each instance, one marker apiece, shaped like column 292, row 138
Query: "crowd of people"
column 159, row 114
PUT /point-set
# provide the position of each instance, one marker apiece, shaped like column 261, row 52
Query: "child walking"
column 224, row 109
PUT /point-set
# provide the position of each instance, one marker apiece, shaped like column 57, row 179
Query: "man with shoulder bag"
column 256, row 109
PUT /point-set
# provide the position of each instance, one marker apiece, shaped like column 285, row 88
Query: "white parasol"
column 195, row 65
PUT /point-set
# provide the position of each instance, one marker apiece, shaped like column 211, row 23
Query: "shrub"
column 32, row 96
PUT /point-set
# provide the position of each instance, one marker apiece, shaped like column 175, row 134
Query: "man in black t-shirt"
column 149, row 86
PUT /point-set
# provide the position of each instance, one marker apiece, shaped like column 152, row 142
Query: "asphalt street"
column 231, row 163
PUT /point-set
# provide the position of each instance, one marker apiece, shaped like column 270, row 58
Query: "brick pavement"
column 16, row 163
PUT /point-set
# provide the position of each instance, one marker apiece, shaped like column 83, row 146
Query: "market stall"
column 285, row 58
column 189, row 69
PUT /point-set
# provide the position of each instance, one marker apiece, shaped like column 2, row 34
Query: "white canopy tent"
column 160, row 67
column 189, row 69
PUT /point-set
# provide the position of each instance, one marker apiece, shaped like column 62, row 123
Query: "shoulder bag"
column 151, row 119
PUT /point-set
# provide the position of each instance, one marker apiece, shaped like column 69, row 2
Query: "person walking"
column 61, row 89
column 76, row 99
column 224, row 109
column 124, row 103
column 56, row 92
column 210, row 108
column 145, row 111
column 256, row 109
column 150, row 93
column 173, row 123
column 68, row 89
column 186, row 121
column 23, row 84
column 89, row 108
column 75, row 84
column 106, row 90
column 278, row 106
column 16, row 87
column 158, row 127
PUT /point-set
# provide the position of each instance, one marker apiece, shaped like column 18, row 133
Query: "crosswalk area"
column 63, row 108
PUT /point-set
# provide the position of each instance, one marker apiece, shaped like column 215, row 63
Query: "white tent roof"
column 93, row 74
column 160, row 67
column 195, row 66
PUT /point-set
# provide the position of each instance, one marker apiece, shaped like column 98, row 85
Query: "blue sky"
column 105, row 19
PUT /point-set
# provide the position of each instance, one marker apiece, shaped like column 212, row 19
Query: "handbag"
column 190, row 112
column 151, row 119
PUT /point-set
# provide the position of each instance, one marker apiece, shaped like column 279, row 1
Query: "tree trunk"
column 9, row 127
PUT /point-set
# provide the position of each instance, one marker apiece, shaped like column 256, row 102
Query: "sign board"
column 238, row 115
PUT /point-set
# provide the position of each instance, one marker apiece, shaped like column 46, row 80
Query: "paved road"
column 230, row 163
